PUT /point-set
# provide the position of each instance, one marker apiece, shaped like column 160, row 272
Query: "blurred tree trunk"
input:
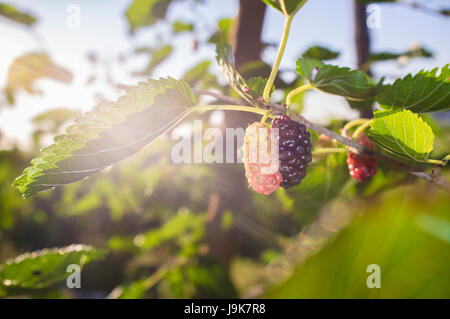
column 231, row 191
column 362, row 39
column 247, row 43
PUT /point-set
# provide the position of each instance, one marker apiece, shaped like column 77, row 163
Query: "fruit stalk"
column 276, row 65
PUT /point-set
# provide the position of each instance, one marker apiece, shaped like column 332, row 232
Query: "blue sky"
column 104, row 29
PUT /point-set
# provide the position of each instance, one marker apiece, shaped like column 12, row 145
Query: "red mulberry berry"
column 360, row 167
column 294, row 150
column 261, row 168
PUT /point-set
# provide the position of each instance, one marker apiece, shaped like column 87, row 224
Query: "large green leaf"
column 110, row 133
column 402, row 134
column 234, row 79
column 13, row 14
column 424, row 92
column 292, row 6
column 44, row 268
column 352, row 84
column 179, row 225
column 146, row 12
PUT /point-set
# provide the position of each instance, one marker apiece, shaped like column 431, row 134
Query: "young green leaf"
column 292, row 6
column 234, row 79
column 110, row 133
column 424, row 92
column 352, row 84
column 402, row 134
column 46, row 267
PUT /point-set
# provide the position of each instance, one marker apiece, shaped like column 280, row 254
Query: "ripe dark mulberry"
column 294, row 150
column 261, row 169
column 362, row 168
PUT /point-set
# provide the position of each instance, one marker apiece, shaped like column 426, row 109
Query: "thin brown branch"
column 434, row 178
column 221, row 97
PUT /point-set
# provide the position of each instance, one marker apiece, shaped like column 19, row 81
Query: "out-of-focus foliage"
column 179, row 26
column 320, row 53
column 10, row 12
column 222, row 33
column 427, row 91
column 157, row 57
column 28, row 68
column 402, row 58
column 408, row 237
column 402, row 134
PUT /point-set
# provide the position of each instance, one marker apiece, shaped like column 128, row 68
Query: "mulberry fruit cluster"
column 282, row 160
column 294, row 150
column 260, row 159
column 362, row 168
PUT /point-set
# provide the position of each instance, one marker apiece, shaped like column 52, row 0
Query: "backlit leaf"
column 110, row 133
column 402, row 134
column 15, row 15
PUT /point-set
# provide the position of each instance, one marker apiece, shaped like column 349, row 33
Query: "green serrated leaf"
column 46, row 267
column 352, row 84
column 320, row 53
column 292, row 6
column 234, row 79
column 146, row 12
column 424, row 92
column 110, row 133
column 402, row 134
